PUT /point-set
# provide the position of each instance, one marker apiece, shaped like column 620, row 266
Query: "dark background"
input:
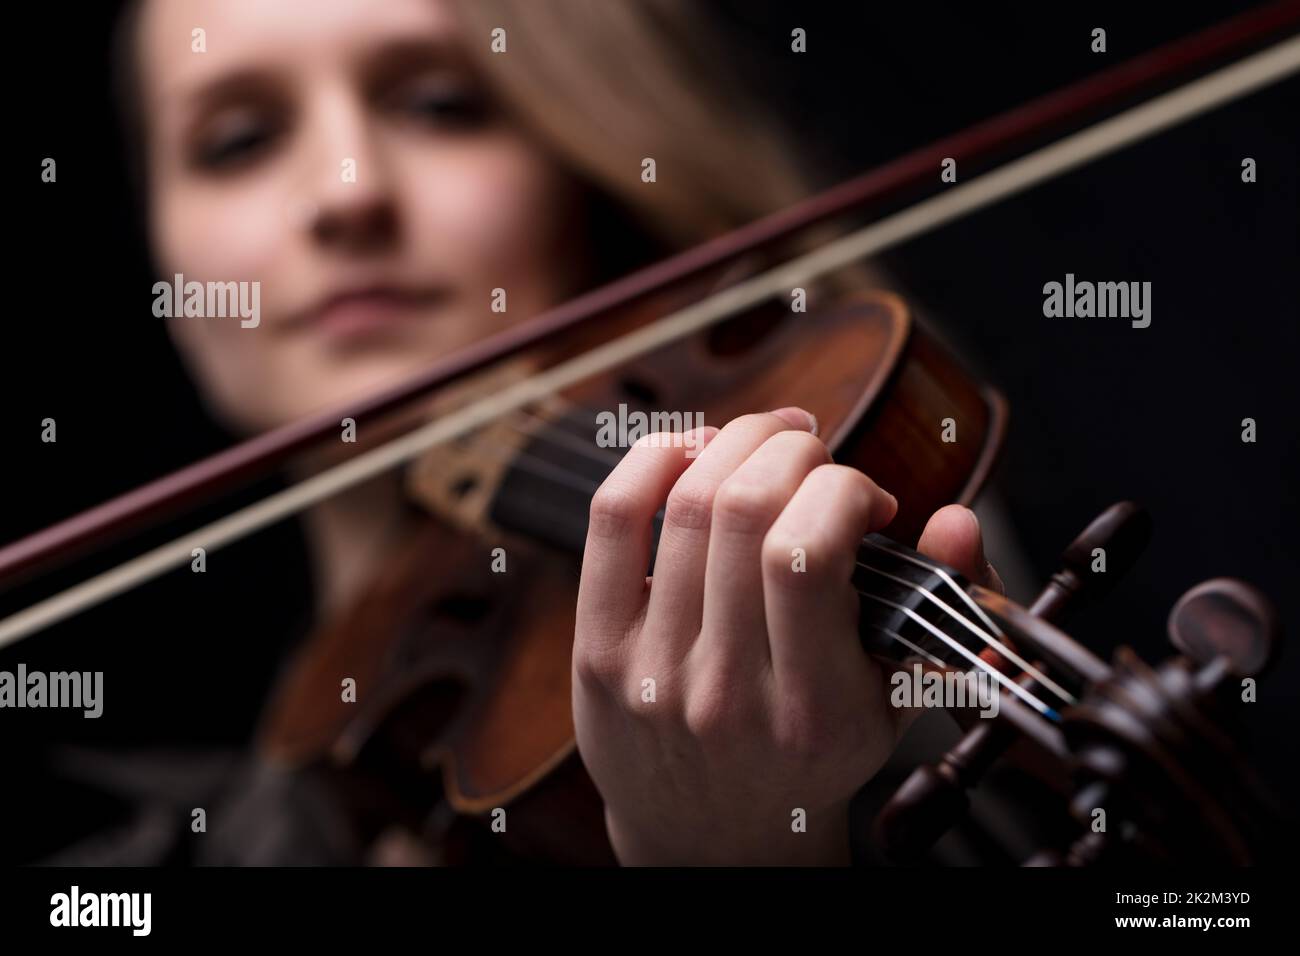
column 1100, row 411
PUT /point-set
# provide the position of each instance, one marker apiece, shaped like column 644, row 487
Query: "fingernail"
column 797, row 417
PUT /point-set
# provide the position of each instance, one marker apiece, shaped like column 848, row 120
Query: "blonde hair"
column 605, row 85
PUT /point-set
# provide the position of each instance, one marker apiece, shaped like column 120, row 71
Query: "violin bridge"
column 458, row 481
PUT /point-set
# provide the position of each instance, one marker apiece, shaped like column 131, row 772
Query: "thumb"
column 953, row 537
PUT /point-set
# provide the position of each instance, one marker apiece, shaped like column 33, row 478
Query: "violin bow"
column 261, row 454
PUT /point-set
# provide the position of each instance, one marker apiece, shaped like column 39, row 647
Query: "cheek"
column 238, row 235
column 497, row 219
column 220, row 235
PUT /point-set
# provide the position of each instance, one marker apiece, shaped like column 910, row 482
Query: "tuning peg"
column 1226, row 618
column 1121, row 532
column 923, row 809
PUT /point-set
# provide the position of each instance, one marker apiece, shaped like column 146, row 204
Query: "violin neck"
column 912, row 608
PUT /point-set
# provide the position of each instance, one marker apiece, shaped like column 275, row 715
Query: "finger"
column 747, row 505
column 611, row 591
column 808, row 561
column 676, row 603
column 953, row 537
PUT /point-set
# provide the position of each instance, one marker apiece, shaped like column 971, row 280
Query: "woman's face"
column 342, row 154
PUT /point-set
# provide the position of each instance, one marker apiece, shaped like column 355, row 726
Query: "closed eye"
column 233, row 139
column 441, row 103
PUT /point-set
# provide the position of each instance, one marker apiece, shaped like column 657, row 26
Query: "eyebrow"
column 383, row 61
column 402, row 54
column 227, row 85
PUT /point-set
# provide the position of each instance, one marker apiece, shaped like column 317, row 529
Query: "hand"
column 724, row 697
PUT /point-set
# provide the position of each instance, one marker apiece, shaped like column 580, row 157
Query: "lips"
column 364, row 311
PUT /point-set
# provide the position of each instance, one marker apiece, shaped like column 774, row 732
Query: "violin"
column 470, row 667
column 455, row 662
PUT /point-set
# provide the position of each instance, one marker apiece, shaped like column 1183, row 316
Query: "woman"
column 381, row 170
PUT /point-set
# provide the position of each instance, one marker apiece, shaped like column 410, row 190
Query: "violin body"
column 462, row 671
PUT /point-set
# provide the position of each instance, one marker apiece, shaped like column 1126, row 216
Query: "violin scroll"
column 934, row 798
column 1148, row 756
column 1155, row 755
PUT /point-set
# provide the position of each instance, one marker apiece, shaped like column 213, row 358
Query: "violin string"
column 975, row 659
column 978, row 662
column 993, row 642
column 559, row 436
column 948, row 579
column 544, row 469
column 1018, row 176
column 915, row 649
column 547, row 432
column 539, row 467
column 569, row 411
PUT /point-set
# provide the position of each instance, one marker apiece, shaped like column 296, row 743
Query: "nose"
column 350, row 206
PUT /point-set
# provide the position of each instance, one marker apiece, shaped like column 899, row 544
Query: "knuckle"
column 711, row 716
column 597, row 665
column 835, row 476
column 781, row 552
column 615, row 511
column 640, row 707
column 848, row 487
column 690, row 506
column 794, row 559
column 746, row 506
